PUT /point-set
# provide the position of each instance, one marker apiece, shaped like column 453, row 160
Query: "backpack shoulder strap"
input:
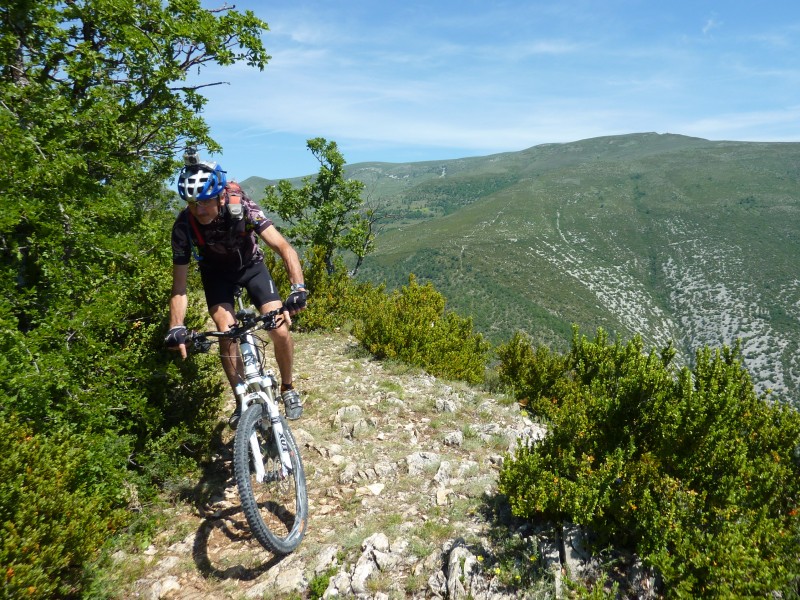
column 195, row 237
column 198, row 237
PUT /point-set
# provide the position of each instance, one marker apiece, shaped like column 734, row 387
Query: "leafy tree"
column 94, row 100
column 326, row 211
column 93, row 103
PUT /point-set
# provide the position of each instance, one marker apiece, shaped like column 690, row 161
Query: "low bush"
column 412, row 325
column 92, row 404
column 690, row 469
column 530, row 374
column 59, row 502
column 334, row 300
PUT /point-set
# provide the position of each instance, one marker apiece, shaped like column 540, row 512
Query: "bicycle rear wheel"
column 276, row 508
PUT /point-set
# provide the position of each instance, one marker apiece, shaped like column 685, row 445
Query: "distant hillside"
column 672, row 237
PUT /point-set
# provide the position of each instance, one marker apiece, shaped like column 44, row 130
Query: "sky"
column 417, row 80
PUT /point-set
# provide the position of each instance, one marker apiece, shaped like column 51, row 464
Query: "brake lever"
column 274, row 319
column 201, row 343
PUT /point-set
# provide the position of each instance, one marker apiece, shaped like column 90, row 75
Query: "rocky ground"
column 401, row 471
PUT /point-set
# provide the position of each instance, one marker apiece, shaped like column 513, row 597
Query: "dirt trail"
column 400, row 468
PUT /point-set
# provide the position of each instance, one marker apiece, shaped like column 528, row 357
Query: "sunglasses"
column 204, row 203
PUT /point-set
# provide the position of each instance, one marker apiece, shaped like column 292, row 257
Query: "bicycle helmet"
column 201, row 181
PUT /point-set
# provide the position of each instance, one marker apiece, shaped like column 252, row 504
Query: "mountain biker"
column 221, row 226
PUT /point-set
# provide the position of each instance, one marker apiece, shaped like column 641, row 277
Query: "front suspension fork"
column 274, row 420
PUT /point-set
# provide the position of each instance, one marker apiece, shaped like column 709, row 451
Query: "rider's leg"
column 223, row 317
column 283, row 343
column 284, row 356
column 219, row 291
column 265, row 295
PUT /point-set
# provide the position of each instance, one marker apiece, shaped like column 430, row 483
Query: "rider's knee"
column 280, row 333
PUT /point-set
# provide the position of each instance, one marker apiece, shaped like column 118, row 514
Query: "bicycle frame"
column 258, row 386
column 266, row 461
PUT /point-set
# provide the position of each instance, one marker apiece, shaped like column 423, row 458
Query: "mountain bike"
column 266, row 461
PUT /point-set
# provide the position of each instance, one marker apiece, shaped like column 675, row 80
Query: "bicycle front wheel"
column 276, row 507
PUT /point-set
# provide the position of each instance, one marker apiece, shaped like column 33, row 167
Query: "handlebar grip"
column 200, row 343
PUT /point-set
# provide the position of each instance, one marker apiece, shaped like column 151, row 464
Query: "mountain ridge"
column 667, row 236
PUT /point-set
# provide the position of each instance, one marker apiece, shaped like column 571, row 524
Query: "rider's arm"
column 273, row 238
column 178, row 301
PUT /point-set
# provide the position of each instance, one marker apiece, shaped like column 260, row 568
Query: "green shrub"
column 690, row 469
column 319, row 583
column 413, row 325
column 60, row 498
column 530, row 374
column 88, row 356
column 335, row 299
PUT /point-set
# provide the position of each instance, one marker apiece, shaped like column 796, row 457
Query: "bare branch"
column 197, row 87
column 223, row 8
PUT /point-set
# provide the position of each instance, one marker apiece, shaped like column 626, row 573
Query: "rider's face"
column 205, row 211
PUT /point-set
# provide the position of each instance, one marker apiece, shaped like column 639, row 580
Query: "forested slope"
column 670, row 237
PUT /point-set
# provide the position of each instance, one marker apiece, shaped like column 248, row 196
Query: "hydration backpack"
column 232, row 209
column 233, row 201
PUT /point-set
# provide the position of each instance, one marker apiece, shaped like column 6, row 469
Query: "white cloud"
column 500, row 77
column 764, row 125
column 710, row 24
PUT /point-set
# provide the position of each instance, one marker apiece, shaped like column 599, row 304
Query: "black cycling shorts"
column 220, row 286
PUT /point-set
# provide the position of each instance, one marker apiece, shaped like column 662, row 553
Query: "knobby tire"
column 276, row 510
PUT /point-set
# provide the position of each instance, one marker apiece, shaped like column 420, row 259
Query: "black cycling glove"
column 176, row 336
column 296, row 301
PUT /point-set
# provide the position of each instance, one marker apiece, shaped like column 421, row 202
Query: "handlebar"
column 249, row 321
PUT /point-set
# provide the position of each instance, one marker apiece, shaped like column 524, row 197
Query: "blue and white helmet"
column 201, row 181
